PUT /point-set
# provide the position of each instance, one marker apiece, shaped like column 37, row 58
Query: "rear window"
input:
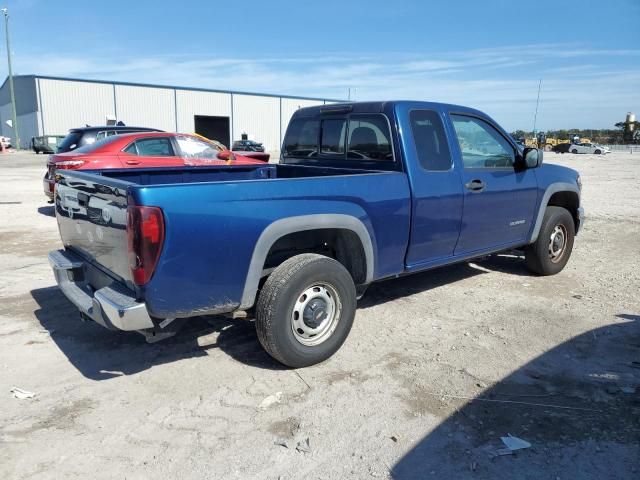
column 95, row 145
column 70, row 142
column 334, row 134
column 359, row 137
column 369, row 138
column 302, row 138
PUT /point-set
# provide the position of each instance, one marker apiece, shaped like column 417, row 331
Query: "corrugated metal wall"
column 146, row 107
column 66, row 105
column 192, row 103
column 56, row 104
column 258, row 117
column 28, row 125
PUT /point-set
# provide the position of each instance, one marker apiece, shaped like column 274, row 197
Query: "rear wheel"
column 551, row 251
column 305, row 310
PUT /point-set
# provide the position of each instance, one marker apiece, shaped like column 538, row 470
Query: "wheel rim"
column 557, row 243
column 315, row 314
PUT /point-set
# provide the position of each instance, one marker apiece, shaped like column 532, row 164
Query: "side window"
column 100, row 135
column 369, row 138
column 302, row 138
column 430, row 140
column 131, row 149
column 154, row 147
column 481, row 144
column 334, row 132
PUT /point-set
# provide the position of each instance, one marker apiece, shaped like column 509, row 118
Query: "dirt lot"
column 437, row 368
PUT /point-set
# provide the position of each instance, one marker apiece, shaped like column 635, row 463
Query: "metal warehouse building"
column 52, row 105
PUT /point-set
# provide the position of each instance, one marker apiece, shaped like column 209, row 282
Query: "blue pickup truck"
column 363, row 192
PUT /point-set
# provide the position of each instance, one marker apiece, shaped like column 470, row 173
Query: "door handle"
column 132, row 162
column 475, row 185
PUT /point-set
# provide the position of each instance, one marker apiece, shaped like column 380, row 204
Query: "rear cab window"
column 302, row 138
column 358, row 140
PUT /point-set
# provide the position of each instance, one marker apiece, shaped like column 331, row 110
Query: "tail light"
column 145, row 234
column 69, row 164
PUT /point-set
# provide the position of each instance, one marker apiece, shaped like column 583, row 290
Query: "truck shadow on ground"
column 578, row 405
column 101, row 354
column 393, row 289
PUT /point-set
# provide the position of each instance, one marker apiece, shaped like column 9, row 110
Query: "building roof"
column 177, row 87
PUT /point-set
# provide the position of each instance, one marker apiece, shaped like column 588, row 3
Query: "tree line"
column 626, row 132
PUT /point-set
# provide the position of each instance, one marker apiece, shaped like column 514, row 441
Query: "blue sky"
column 487, row 54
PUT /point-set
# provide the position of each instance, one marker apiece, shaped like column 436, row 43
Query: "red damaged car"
column 140, row 150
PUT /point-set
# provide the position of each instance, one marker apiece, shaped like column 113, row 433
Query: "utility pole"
column 16, row 137
column 535, row 117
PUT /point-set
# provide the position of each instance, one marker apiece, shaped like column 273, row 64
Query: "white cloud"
column 502, row 81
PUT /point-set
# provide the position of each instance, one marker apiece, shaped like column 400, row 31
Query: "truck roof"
column 377, row 107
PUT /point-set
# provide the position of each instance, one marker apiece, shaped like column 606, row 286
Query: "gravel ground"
column 437, row 368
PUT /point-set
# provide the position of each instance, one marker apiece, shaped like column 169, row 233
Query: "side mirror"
column 224, row 155
column 531, row 158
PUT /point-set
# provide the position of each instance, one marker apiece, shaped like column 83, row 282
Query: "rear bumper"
column 48, row 185
column 112, row 306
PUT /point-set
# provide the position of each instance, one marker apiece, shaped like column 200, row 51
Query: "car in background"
column 79, row 137
column 5, row 142
column 588, row 148
column 561, row 148
column 46, row 143
column 141, row 150
column 249, row 148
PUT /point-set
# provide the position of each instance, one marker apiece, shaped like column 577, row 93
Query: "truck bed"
column 214, row 217
column 231, row 173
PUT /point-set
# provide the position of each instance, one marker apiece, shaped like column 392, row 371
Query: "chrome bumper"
column 112, row 306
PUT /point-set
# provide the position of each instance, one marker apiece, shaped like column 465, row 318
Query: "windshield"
column 70, row 142
column 191, row 147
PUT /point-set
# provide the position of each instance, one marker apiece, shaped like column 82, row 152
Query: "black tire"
column 281, row 295
column 544, row 257
column 574, row 151
column 597, row 152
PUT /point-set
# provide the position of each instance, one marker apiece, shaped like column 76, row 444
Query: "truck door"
column 499, row 201
column 436, row 190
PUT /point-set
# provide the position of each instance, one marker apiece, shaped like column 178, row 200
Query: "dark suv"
column 78, row 137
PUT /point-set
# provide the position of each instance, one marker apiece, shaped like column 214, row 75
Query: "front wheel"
column 305, row 310
column 598, row 152
column 551, row 251
column 574, row 151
